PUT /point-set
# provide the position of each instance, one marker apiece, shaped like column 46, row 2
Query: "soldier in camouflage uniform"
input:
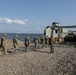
column 42, row 41
column 47, row 41
column 15, row 43
column 52, row 45
column 3, row 44
column 27, row 42
column 36, row 41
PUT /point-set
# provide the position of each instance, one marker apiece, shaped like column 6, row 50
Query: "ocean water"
column 20, row 36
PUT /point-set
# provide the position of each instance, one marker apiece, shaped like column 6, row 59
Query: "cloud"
column 11, row 21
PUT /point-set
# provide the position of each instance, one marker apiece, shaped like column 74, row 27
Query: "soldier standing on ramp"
column 3, row 44
column 36, row 41
column 15, row 43
column 27, row 42
column 42, row 41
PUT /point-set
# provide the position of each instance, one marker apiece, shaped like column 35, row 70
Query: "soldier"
column 36, row 41
column 3, row 44
column 15, row 43
column 47, row 41
column 52, row 46
column 42, row 41
column 27, row 42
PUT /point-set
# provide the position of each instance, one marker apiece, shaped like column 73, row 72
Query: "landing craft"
column 58, row 33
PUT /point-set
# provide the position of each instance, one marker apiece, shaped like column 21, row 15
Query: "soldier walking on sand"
column 36, row 41
column 3, row 44
column 27, row 42
column 15, row 43
column 42, row 41
column 47, row 41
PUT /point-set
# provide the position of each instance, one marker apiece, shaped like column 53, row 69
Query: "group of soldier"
column 42, row 41
column 36, row 41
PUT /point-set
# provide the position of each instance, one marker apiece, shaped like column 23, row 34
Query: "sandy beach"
column 40, row 62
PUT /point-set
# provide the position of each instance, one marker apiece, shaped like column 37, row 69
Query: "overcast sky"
column 32, row 16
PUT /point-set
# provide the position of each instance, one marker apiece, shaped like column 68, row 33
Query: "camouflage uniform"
column 52, row 46
column 47, row 41
column 27, row 42
column 36, row 41
column 15, row 43
column 42, row 41
column 3, row 44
